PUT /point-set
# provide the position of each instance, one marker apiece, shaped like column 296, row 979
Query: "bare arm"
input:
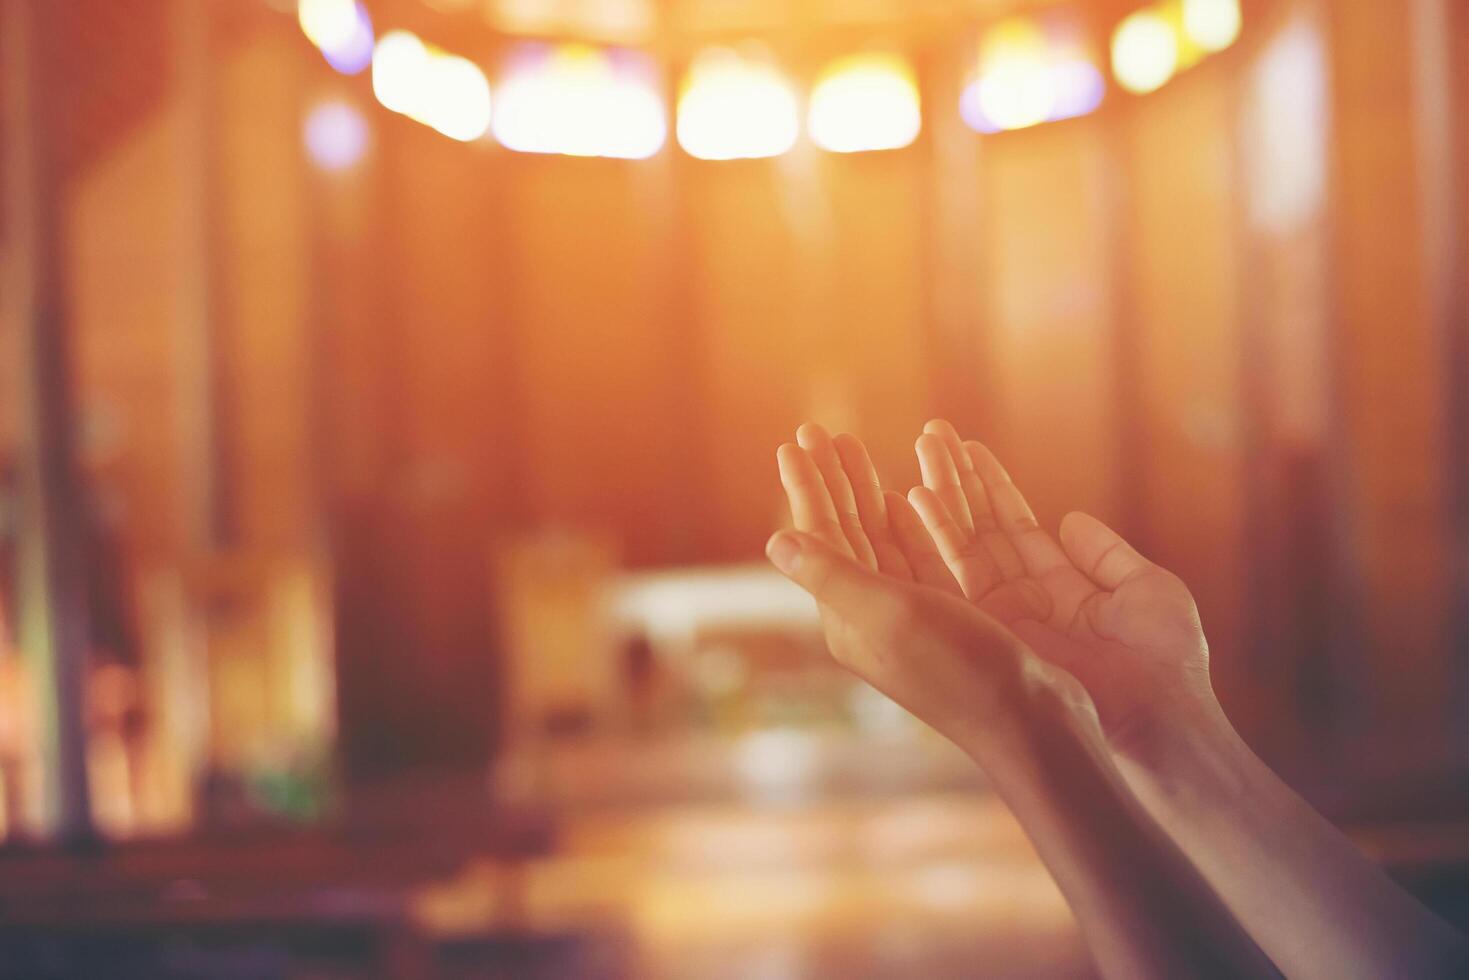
column 1310, row 898
column 1129, row 631
column 894, row 616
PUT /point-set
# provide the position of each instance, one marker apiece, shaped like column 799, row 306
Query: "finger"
column 811, row 506
column 850, row 590
column 871, row 506
column 1100, row 552
column 1037, row 549
column 929, row 567
column 1012, row 602
column 974, row 568
column 942, row 477
column 969, row 482
column 815, row 440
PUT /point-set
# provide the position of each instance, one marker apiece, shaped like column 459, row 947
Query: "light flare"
column 865, row 102
column 428, row 85
column 341, row 31
column 1145, row 52
column 736, row 107
column 577, row 100
column 1028, row 75
column 1213, row 25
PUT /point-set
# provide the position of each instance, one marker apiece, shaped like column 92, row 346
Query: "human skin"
column 895, row 615
column 1130, row 632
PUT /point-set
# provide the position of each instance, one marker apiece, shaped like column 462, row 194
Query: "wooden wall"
column 454, row 346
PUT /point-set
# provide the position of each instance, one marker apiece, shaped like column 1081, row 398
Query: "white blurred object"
column 674, row 606
column 1285, row 131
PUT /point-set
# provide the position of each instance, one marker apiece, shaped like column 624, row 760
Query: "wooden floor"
column 909, row 885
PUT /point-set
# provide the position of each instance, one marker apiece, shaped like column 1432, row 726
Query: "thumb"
column 836, row 581
column 1100, row 552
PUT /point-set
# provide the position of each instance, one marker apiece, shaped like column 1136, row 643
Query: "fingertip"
column 1073, row 522
column 810, row 434
column 925, row 502
column 936, row 426
column 849, row 446
column 784, row 551
column 983, row 459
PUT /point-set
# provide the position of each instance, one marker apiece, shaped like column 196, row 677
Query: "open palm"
column 908, row 627
column 1123, row 626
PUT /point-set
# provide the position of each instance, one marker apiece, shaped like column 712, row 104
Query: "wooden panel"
column 1291, row 680
column 1051, row 343
column 759, row 355
column 1179, row 154
column 875, row 323
column 261, row 325
column 602, row 366
column 1393, row 398
column 125, row 270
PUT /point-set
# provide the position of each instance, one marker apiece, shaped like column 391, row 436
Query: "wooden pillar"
column 53, row 617
column 1387, row 251
column 1456, row 301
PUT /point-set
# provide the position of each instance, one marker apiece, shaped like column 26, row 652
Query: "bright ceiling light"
column 327, row 23
column 1212, row 24
column 443, row 91
column 1028, row 75
column 1144, row 52
column 865, row 102
column 458, row 100
column 340, row 29
column 735, row 107
column 578, row 100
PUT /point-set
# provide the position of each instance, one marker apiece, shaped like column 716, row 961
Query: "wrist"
column 1047, row 720
column 1151, row 734
column 1186, row 755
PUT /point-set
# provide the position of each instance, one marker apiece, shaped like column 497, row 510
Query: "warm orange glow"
column 581, row 101
column 865, row 102
column 735, row 107
column 443, row 91
column 1145, row 52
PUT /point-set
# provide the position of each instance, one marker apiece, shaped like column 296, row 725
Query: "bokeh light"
column 1212, row 24
column 579, row 100
column 1028, row 75
column 865, row 102
column 734, row 106
column 336, row 135
column 443, row 91
column 1144, row 52
column 341, row 30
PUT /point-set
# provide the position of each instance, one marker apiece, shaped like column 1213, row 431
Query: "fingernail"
column 784, row 551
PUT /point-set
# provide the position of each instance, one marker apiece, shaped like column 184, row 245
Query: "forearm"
column 1314, row 903
column 1143, row 909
